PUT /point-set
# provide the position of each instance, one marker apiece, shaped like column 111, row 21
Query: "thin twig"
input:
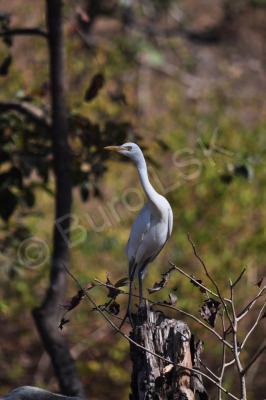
column 236, row 349
column 229, row 363
column 254, row 358
column 239, row 278
column 223, row 358
column 254, row 326
column 196, row 282
column 211, row 279
column 249, row 306
column 25, row 32
column 209, row 370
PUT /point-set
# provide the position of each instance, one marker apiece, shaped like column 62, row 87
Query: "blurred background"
column 185, row 79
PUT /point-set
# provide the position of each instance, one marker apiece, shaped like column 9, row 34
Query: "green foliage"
column 261, row 3
column 26, row 150
column 23, row 152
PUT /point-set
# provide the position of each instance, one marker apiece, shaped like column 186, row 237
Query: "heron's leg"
column 129, row 304
column 140, row 278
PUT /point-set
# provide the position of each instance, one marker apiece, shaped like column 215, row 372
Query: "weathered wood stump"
column 153, row 378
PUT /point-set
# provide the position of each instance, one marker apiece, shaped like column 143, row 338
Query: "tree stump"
column 153, row 378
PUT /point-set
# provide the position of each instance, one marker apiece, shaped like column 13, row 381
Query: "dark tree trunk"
column 154, row 379
column 46, row 316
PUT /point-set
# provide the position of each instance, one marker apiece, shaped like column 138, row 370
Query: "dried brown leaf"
column 96, row 85
column 209, row 311
column 163, row 282
column 259, row 283
column 63, row 322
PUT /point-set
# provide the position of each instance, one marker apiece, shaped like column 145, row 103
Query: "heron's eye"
column 129, row 148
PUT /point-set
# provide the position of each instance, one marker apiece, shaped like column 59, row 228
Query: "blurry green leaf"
column 22, row 95
column 29, row 197
column 4, row 66
column 243, row 171
column 259, row 3
column 4, row 156
column 95, row 86
column 163, row 145
column 43, row 171
column 8, row 203
column 12, row 177
column 121, row 282
column 118, row 97
column 151, row 56
column 84, row 191
column 226, row 178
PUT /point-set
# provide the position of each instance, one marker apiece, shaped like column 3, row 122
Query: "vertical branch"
column 46, row 317
column 243, row 391
column 223, row 358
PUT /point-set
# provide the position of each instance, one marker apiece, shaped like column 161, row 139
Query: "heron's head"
column 130, row 150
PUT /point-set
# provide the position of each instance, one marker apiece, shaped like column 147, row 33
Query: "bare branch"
column 239, row 278
column 254, row 326
column 209, row 370
column 187, row 314
column 24, row 32
column 249, row 306
column 211, row 279
column 196, row 282
column 229, row 363
column 254, row 358
column 223, row 358
column 236, row 350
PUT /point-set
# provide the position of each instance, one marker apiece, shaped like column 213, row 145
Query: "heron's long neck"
column 149, row 190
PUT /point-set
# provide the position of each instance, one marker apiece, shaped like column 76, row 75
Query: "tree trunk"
column 154, row 379
column 46, row 316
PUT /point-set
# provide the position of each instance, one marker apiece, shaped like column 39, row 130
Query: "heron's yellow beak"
column 112, row 148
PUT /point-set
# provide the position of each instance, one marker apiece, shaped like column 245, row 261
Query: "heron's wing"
column 148, row 236
column 139, row 228
column 170, row 222
column 168, row 234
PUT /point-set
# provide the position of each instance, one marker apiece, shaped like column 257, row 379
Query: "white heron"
column 152, row 227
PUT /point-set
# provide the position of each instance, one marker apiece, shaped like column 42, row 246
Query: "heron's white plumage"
column 149, row 233
column 153, row 225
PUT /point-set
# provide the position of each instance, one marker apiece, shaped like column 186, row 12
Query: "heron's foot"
column 142, row 306
column 128, row 316
column 142, row 312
